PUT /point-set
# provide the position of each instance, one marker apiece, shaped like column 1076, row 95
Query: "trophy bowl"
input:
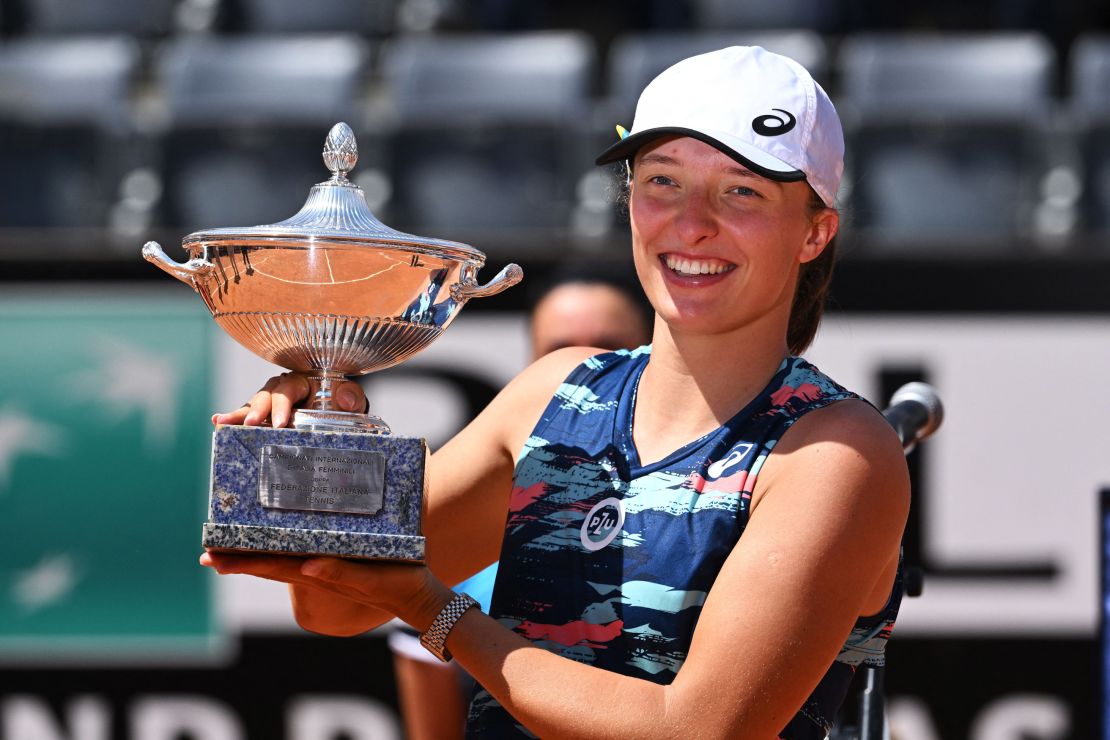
column 331, row 292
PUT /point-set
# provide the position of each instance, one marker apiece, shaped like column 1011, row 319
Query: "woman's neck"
column 695, row 383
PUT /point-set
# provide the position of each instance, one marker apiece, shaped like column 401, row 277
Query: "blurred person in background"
column 703, row 535
column 580, row 304
column 588, row 304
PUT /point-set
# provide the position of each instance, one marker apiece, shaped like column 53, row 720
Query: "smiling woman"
column 699, row 537
column 710, row 222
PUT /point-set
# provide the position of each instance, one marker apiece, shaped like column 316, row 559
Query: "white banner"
column 1013, row 474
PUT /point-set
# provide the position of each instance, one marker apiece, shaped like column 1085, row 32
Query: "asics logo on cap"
column 772, row 125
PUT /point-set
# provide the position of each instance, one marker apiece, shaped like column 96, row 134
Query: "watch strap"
column 435, row 639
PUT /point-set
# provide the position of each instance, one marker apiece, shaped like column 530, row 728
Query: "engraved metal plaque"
column 320, row 479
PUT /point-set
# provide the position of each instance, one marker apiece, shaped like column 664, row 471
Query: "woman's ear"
column 822, row 228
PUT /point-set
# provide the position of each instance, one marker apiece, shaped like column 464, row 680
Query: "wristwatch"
column 435, row 639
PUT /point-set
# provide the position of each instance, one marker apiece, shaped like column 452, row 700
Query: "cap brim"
column 627, row 147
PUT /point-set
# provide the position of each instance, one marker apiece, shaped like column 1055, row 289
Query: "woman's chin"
column 694, row 320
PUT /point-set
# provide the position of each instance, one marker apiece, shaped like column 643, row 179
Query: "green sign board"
column 104, row 441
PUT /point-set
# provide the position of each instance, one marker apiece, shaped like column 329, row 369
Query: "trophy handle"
column 186, row 272
column 469, row 288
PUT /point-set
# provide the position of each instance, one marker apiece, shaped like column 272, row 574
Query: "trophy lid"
column 336, row 212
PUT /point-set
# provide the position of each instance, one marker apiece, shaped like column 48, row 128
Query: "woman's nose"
column 695, row 219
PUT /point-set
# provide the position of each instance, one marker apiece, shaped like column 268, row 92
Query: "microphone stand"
column 915, row 412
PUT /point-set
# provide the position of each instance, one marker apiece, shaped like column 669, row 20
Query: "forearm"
column 559, row 698
column 712, row 697
column 552, row 696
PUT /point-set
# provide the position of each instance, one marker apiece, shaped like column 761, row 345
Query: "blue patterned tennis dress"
column 608, row 562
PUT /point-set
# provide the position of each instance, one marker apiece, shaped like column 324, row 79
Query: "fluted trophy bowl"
column 331, row 292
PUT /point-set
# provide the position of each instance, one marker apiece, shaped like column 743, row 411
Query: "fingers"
column 289, row 390
column 406, row 590
column 232, row 417
column 352, row 580
column 372, row 583
column 284, row 568
column 275, row 400
column 278, row 568
column 349, row 396
column 328, row 569
column 399, row 588
column 260, row 405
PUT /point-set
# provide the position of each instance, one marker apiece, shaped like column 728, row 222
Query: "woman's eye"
column 745, row 191
column 661, row 180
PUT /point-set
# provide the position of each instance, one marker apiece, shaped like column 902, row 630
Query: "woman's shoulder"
column 524, row 399
column 823, row 410
column 848, row 446
column 573, row 364
column 832, row 433
column 554, row 367
column 803, row 380
column 798, row 389
column 848, row 419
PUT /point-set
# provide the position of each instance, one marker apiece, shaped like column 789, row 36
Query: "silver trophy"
column 331, row 293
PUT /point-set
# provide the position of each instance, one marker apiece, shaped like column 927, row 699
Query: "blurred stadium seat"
column 261, row 80
column 490, row 132
column 962, row 74
column 64, row 108
column 369, row 17
column 947, row 137
column 246, row 119
column 1090, row 106
column 750, row 14
column 954, row 140
column 141, row 18
column 636, row 58
column 68, row 80
column 529, row 76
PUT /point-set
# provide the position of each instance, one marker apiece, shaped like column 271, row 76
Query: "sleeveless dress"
column 608, row 562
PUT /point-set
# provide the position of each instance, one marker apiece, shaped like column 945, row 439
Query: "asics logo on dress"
column 735, row 455
column 602, row 524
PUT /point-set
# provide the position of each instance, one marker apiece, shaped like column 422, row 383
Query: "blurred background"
column 976, row 256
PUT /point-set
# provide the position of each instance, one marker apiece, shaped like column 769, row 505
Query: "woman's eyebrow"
column 653, row 158
column 656, row 158
column 744, row 172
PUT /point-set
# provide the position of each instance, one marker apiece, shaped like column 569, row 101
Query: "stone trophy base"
column 343, row 494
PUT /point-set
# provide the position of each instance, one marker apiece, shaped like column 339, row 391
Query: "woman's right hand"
column 316, row 609
column 281, row 394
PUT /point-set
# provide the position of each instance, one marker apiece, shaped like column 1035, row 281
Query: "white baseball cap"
column 762, row 109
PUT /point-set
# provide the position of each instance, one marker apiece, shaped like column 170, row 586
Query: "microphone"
column 915, row 412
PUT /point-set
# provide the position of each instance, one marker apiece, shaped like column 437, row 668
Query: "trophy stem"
column 322, row 415
column 321, row 385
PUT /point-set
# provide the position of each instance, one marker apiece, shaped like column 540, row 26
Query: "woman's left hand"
column 408, row 591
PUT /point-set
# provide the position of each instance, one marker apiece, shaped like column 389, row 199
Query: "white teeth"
column 685, row 266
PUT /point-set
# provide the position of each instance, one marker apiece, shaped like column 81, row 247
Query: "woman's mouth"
column 694, row 267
